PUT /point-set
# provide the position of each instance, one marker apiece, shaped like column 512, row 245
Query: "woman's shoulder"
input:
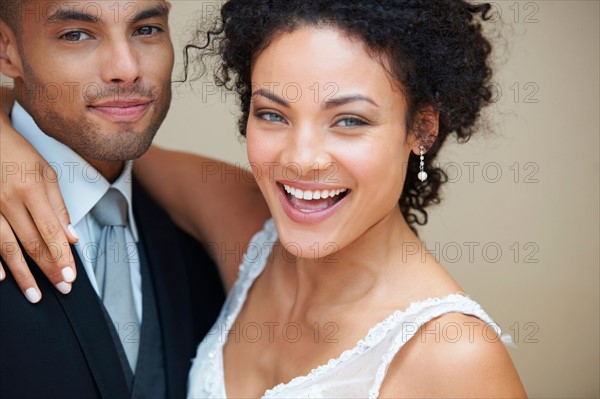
column 453, row 355
column 457, row 349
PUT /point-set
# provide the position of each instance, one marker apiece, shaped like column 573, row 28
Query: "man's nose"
column 121, row 64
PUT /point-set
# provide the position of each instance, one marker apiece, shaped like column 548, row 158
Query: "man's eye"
column 350, row 122
column 147, row 31
column 75, row 36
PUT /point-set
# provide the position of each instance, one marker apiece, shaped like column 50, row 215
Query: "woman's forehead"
column 322, row 55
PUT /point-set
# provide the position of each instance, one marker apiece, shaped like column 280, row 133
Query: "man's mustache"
column 118, row 92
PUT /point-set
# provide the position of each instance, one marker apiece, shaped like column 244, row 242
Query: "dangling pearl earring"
column 422, row 174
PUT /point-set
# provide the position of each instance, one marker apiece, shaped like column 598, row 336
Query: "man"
column 92, row 85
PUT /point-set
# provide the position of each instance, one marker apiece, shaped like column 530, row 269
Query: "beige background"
column 519, row 225
column 546, row 200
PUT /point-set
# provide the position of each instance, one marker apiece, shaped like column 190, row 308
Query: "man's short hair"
column 10, row 13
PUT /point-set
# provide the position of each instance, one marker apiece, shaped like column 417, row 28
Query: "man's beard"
column 88, row 141
column 85, row 137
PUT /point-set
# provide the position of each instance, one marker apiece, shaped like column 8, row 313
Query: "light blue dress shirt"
column 82, row 186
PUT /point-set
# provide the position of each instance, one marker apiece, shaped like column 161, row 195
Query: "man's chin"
column 114, row 145
column 120, row 125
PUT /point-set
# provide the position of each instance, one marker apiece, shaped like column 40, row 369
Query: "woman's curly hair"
column 436, row 52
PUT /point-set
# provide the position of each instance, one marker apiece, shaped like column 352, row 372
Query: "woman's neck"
column 360, row 271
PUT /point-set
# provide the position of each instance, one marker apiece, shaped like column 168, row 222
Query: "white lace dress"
column 357, row 373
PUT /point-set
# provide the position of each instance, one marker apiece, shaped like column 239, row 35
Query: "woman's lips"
column 311, row 205
column 310, row 208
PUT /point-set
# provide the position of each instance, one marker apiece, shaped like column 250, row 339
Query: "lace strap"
column 253, row 263
column 451, row 304
column 256, row 256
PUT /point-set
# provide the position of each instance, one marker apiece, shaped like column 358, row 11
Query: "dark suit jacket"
column 62, row 347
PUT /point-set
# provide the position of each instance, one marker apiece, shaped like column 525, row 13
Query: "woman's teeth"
column 313, row 194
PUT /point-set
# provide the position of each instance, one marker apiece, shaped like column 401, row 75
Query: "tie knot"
column 111, row 210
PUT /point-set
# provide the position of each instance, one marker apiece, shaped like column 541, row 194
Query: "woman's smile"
column 311, row 205
column 345, row 150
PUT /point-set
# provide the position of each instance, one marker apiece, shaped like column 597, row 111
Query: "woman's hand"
column 32, row 210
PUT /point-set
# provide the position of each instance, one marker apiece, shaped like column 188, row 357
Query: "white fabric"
column 357, row 373
column 82, row 186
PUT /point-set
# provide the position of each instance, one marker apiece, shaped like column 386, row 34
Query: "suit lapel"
column 84, row 312
column 167, row 270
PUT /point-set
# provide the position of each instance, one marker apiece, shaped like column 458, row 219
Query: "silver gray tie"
column 113, row 271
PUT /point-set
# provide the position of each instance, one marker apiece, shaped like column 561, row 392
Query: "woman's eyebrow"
column 330, row 103
column 271, row 96
column 337, row 101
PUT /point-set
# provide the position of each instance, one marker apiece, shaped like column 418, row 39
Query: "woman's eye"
column 75, row 36
column 350, row 122
column 271, row 117
column 147, row 31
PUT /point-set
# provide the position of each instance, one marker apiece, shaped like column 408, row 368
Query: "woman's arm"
column 216, row 202
column 32, row 208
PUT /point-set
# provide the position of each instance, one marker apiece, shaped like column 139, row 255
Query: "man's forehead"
column 99, row 10
column 87, row 3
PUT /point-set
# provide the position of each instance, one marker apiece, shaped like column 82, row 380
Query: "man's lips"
column 128, row 111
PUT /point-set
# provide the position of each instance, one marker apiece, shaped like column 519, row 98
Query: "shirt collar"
column 80, row 183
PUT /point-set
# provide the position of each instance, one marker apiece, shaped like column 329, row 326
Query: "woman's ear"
column 10, row 58
column 425, row 129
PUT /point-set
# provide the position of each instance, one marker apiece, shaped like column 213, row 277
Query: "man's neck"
column 108, row 169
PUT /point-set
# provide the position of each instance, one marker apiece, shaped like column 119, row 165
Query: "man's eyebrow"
column 336, row 102
column 159, row 10
column 271, row 96
column 62, row 15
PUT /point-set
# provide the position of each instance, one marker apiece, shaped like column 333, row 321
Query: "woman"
column 362, row 91
column 344, row 107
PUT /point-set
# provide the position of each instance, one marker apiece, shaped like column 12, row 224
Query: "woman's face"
column 326, row 138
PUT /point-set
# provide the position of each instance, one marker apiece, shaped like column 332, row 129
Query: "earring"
column 422, row 174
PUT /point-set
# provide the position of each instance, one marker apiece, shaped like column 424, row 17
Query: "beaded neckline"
column 249, row 271
column 374, row 336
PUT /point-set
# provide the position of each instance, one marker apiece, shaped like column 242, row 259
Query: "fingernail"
column 33, row 295
column 72, row 231
column 63, row 288
column 68, row 274
column 1, row 274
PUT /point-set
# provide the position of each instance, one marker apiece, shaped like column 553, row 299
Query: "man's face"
column 97, row 74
